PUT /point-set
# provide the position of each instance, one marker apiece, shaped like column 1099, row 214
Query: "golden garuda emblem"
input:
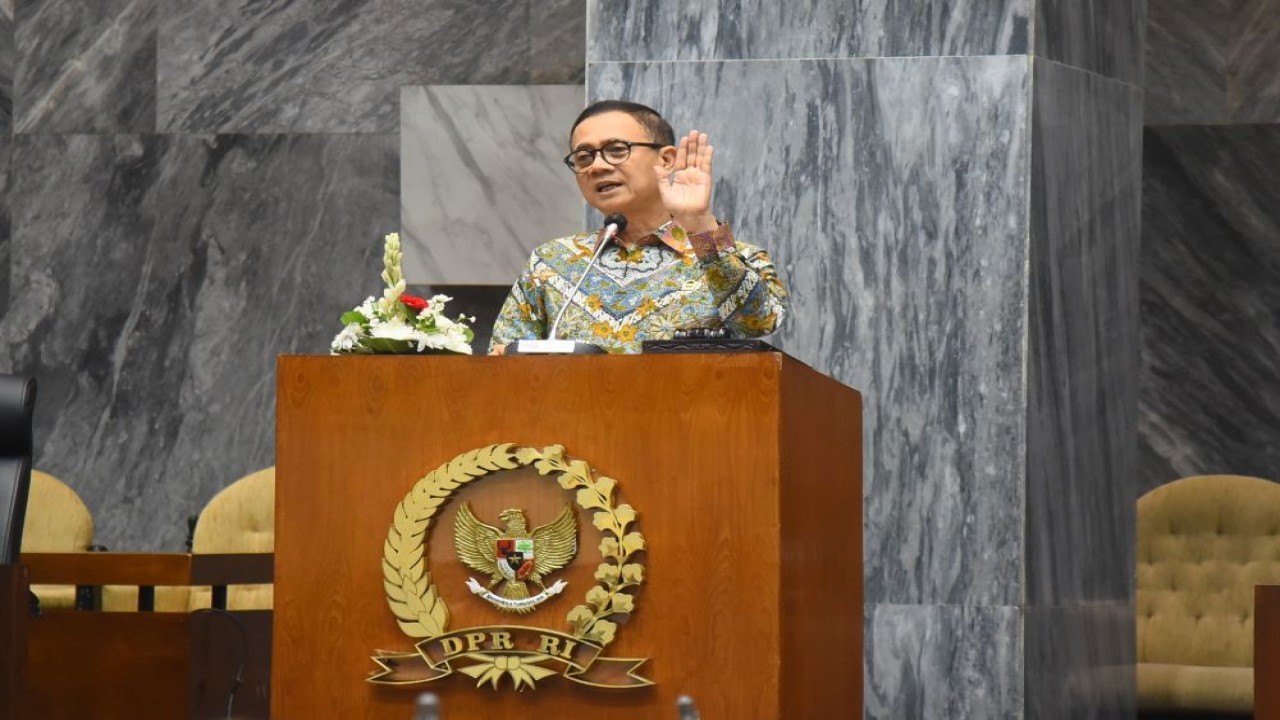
column 515, row 556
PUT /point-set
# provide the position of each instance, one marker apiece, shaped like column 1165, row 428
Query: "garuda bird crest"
column 515, row 556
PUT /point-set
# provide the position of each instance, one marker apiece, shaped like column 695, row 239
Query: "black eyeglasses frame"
column 568, row 159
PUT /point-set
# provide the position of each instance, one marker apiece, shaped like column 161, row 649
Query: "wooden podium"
column 745, row 470
column 1266, row 652
column 14, row 609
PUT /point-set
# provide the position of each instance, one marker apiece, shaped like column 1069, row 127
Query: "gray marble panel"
column 85, row 66
column 6, row 239
column 481, row 179
column 8, row 55
column 1082, row 359
column 1186, row 60
column 1101, row 36
column 1255, row 63
column 155, row 280
column 293, row 66
column 893, row 196
column 653, row 30
column 558, row 42
column 1079, row 662
column 943, row 662
column 1210, row 391
column 1213, row 62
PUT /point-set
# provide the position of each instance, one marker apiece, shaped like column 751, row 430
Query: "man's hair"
column 659, row 129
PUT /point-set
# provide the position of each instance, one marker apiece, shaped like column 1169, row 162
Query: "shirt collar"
column 669, row 234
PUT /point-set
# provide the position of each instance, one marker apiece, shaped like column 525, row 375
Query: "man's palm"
column 686, row 186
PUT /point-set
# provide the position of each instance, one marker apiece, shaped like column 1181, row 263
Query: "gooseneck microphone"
column 613, row 224
column 426, row 707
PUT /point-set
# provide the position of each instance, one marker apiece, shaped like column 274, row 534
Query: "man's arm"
column 749, row 295
column 522, row 316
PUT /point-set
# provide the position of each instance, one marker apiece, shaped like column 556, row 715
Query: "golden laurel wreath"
column 419, row 609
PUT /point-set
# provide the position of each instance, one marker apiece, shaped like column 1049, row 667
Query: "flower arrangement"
column 399, row 322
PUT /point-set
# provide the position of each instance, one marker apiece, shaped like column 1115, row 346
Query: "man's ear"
column 668, row 156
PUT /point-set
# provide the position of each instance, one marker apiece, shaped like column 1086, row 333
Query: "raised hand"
column 686, row 186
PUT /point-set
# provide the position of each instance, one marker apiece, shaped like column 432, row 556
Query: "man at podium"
column 663, row 263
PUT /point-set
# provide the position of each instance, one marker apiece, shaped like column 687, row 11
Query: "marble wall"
column 481, row 178
column 958, row 224
column 1211, row 241
column 1082, row 362
column 190, row 189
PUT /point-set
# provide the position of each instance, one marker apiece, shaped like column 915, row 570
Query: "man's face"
column 630, row 185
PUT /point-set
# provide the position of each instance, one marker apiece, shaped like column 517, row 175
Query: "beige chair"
column 57, row 521
column 1203, row 543
column 240, row 519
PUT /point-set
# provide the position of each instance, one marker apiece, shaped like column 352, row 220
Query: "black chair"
column 17, row 402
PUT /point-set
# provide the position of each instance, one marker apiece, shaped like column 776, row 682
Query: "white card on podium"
column 545, row 347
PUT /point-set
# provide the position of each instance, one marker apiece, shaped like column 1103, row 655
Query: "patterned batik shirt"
column 669, row 281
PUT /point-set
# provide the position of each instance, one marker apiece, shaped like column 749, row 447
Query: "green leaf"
column 579, row 616
column 604, row 521
column 566, row 481
column 625, row 515
column 353, row 317
column 588, row 499
column 389, row 346
column 609, row 548
column 603, row 632
column 606, row 573
column 598, row 596
column 633, row 542
column 622, row 603
column 633, row 573
column 605, row 485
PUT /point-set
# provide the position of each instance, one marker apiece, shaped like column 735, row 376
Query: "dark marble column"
column 957, row 217
column 1211, row 241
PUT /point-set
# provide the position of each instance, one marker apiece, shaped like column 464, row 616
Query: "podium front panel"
column 695, row 444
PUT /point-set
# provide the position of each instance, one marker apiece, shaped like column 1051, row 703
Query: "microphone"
column 426, row 707
column 613, row 224
column 688, row 711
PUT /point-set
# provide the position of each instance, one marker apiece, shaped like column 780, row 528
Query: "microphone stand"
column 614, row 224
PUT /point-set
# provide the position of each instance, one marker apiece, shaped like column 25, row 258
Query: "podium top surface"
column 657, row 362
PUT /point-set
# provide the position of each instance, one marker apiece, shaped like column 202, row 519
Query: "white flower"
column 393, row 329
column 347, row 339
column 385, row 317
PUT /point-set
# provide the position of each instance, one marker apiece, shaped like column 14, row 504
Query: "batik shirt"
column 669, row 281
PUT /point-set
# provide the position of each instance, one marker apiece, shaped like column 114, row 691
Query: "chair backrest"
column 1203, row 543
column 57, row 519
column 17, row 404
column 239, row 519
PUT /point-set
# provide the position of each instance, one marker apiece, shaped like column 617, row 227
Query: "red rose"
column 414, row 302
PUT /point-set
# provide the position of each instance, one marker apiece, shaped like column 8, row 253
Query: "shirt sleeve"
column 751, row 299
column 522, row 316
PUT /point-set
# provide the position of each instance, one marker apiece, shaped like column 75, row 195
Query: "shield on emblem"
column 517, row 553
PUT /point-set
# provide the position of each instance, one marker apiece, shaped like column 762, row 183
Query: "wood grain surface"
column 123, row 568
column 126, row 665
column 13, row 640
column 1266, row 652
column 745, row 470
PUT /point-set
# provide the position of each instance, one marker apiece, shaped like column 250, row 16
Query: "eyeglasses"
column 614, row 152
